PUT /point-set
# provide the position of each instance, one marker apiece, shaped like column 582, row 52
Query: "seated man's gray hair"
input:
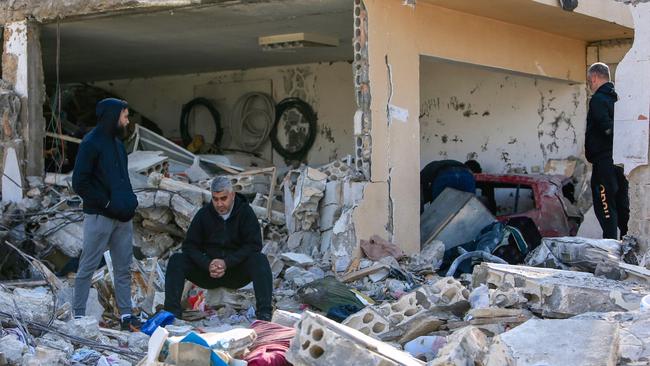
column 221, row 184
column 600, row 69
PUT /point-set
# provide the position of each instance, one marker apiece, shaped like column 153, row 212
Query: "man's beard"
column 120, row 132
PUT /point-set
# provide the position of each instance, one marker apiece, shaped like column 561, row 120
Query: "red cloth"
column 271, row 344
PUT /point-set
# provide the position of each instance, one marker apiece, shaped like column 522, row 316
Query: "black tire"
column 308, row 113
column 187, row 108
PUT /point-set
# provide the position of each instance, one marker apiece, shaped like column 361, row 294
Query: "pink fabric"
column 271, row 344
column 377, row 248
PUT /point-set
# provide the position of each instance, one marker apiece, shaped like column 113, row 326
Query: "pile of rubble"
column 574, row 301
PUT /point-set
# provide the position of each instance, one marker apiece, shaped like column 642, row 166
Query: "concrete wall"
column 397, row 36
column 503, row 120
column 327, row 87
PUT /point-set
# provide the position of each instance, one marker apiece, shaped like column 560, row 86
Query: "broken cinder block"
column 369, row 322
column 321, row 341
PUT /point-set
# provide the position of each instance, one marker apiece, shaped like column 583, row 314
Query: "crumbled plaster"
column 555, row 120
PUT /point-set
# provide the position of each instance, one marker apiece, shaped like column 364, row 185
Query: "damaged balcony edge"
column 48, row 12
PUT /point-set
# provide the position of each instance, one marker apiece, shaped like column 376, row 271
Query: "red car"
column 546, row 199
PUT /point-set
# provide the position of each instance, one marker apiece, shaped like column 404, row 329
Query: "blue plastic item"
column 161, row 319
column 192, row 337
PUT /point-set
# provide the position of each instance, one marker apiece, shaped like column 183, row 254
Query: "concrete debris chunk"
column 298, row 259
column 86, row 327
column 138, row 341
column 34, row 304
column 46, row 356
column 321, row 341
column 573, row 342
column 561, row 294
column 426, row 347
column 466, row 346
column 634, row 334
column 147, row 162
column 13, row 349
column 310, row 189
column 430, row 257
column 51, row 340
column 285, row 318
column 66, row 236
column 300, row 276
column 445, row 294
column 236, row 299
column 156, row 244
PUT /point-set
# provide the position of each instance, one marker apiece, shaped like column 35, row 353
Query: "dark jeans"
column 458, row 178
column 609, row 189
column 255, row 268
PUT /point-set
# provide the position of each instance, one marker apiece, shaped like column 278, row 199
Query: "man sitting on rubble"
column 222, row 249
column 102, row 180
column 440, row 174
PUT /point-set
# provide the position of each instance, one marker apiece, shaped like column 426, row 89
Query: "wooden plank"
column 63, row 137
column 363, row 272
column 23, row 283
column 636, row 271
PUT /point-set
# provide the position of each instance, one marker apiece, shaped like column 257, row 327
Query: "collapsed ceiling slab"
column 194, row 39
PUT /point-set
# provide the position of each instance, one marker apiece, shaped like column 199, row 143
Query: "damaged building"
column 322, row 114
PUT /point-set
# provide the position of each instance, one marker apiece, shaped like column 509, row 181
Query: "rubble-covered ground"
column 574, row 301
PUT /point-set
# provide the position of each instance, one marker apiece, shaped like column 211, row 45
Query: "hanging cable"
column 307, row 115
column 184, row 124
column 252, row 120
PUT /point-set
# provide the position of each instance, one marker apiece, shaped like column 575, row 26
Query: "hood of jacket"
column 108, row 115
column 608, row 89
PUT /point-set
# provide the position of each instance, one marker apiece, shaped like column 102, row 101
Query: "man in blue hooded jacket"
column 102, row 180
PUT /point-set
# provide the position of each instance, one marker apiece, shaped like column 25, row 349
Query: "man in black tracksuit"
column 222, row 249
column 608, row 183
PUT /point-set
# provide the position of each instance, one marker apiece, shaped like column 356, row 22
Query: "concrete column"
column 22, row 68
column 631, row 131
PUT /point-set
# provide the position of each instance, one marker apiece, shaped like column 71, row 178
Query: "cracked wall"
column 327, row 87
column 398, row 35
column 507, row 122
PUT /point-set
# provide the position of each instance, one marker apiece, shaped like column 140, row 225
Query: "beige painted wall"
column 503, row 120
column 327, row 87
column 397, row 36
